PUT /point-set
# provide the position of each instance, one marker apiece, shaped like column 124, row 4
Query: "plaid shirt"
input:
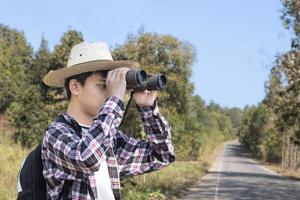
column 69, row 154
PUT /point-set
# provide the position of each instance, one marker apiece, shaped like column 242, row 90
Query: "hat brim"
column 56, row 78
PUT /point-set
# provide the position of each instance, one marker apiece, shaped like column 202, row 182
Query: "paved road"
column 234, row 176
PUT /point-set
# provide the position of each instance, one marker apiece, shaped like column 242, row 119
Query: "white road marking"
column 219, row 170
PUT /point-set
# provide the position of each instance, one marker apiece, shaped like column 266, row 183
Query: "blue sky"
column 236, row 40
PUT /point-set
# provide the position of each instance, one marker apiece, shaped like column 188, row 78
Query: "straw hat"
column 86, row 57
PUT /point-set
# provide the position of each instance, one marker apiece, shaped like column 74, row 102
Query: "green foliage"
column 291, row 19
column 29, row 116
column 273, row 146
column 272, row 130
column 235, row 116
column 41, row 63
column 36, row 105
column 188, row 115
column 163, row 54
column 15, row 59
column 250, row 132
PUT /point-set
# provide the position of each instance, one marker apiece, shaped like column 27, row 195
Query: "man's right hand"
column 116, row 82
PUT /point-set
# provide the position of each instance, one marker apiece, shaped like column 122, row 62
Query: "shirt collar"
column 70, row 120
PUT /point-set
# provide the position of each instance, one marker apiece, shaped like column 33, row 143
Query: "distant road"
column 235, row 176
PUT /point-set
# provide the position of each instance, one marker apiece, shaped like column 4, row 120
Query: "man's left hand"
column 145, row 98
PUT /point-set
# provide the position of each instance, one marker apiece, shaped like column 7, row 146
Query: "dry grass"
column 11, row 156
column 164, row 184
column 172, row 181
column 284, row 172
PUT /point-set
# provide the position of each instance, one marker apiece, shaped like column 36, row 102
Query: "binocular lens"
column 141, row 77
column 136, row 79
column 162, row 82
column 157, row 82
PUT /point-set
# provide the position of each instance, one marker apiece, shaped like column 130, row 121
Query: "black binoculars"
column 140, row 80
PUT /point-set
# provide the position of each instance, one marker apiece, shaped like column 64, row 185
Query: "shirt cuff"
column 148, row 112
column 113, row 105
column 147, row 108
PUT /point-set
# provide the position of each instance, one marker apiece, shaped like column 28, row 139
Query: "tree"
column 161, row 54
column 279, row 138
column 235, row 116
column 29, row 116
column 15, row 59
column 38, row 105
column 291, row 19
column 250, row 132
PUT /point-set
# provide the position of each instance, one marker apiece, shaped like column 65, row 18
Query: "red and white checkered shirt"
column 70, row 154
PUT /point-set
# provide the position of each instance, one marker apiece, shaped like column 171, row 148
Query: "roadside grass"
column 276, row 167
column 167, row 183
column 11, row 157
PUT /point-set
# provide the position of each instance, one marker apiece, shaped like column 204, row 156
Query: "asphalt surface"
column 235, row 176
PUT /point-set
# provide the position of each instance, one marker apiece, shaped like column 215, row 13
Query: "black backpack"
column 31, row 179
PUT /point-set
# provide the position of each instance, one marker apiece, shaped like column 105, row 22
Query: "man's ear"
column 74, row 87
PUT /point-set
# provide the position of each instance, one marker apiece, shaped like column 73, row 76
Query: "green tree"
column 279, row 137
column 291, row 19
column 235, row 116
column 29, row 116
column 251, row 130
column 38, row 105
column 161, row 54
column 15, row 59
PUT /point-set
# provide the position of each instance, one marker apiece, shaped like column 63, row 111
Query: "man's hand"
column 116, row 82
column 145, row 98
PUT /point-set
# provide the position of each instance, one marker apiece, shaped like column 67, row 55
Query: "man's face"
column 92, row 94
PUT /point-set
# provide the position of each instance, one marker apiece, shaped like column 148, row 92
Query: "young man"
column 83, row 148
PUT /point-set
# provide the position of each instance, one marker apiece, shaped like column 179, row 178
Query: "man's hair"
column 81, row 78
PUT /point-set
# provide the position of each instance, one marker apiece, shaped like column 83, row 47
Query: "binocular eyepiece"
column 139, row 80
